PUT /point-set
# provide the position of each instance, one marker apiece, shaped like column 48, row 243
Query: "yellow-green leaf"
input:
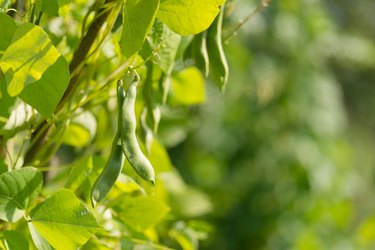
column 141, row 212
column 189, row 16
column 30, row 54
column 64, row 221
column 188, row 87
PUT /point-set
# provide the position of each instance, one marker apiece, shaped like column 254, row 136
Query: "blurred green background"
column 286, row 155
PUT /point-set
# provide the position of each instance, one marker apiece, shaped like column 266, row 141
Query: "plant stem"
column 261, row 6
column 80, row 55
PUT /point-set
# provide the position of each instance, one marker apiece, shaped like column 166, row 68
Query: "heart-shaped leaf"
column 64, row 221
column 18, row 189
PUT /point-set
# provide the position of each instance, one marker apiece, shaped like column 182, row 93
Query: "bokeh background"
column 286, row 155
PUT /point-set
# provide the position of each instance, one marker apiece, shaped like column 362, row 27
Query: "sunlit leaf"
column 159, row 157
column 141, row 212
column 38, row 240
column 188, row 87
column 188, row 17
column 30, row 54
column 185, row 236
column 64, row 221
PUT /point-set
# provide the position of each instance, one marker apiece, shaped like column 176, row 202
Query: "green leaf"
column 188, row 87
column 18, row 189
column 166, row 42
column 38, row 240
column 8, row 27
column 138, row 17
column 64, row 221
column 6, row 102
column 14, row 240
column 50, row 7
column 79, row 173
column 81, row 130
column 141, row 212
column 189, row 17
column 185, row 236
column 5, row 5
column 159, row 157
column 3, row 166
column 45, row 94
column 30, row 54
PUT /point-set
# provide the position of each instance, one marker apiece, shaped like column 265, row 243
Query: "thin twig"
column 260, row 7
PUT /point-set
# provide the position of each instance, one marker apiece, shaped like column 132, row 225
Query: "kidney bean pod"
column 112, row 169
column 219, row 69
column 129, row 141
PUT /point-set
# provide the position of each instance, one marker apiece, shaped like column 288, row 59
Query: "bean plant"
column 85, row 86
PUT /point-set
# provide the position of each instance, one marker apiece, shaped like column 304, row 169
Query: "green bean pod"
column 200, row 52
column 112, row 169
column 196, row 53
column 219, row 69
column 129, row 141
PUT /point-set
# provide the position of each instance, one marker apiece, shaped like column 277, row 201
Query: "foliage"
column 61, row 63
column 281, row 160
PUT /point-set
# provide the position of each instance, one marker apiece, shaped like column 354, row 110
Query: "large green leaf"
column 138, row 17
column 189, row 16
column 38, row 240
column 18, row 189
column 64, row 221
column 8, row 27
column 141, row 212
column 30, row 54
column 14, row 240
column 45, row 94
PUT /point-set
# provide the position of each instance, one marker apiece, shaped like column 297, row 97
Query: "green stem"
column 40, row 134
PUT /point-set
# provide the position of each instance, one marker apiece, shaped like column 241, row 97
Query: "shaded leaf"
column 45, row 94
column 18, row 189
column 166, row 43
column 138, row 17
column 14, row 240
column 8, row 27
column 50, row 7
